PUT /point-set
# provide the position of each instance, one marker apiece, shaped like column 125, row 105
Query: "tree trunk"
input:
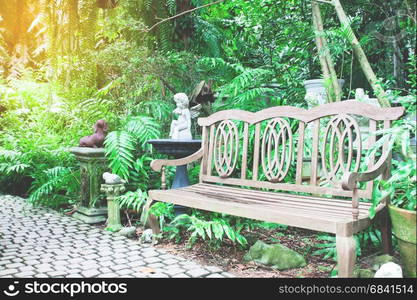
column 322, row 59
column 361, row 56
column 325, row 56
column 184, row 33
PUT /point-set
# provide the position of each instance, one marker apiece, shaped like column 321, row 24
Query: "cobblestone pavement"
column 39, row 242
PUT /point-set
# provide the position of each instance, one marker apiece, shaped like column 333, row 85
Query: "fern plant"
column 57, row 186
column 371, row 237
column 207, row 37
column 12, row 163
column 327, row 248
column 214, row 229
column 125, row 147
column 157, row 109
column 133, row 200
column 245, row 89
column 16, row 168
column 100, row 104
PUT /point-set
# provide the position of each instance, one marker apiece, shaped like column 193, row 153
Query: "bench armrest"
column 350, row 179
column 158, row 164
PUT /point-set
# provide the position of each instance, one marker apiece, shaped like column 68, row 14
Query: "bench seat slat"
column 334, row 206
column 284, row 186
column 285, row 212
column 309, row 209
column 238, row 191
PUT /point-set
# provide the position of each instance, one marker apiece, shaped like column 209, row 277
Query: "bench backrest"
column 272, row 148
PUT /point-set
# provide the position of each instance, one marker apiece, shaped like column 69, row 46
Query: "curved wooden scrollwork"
column 276, row 149
column 226, row 148
column 338, row 153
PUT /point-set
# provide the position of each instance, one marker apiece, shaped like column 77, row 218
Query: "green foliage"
column 328, row 248
column 164, row 211
column 133, row 200
column 123, row 147
column 214, row 229
column 244, row 90
column 56, row 187
column 401, row 186
column 12, row 163
column 367, row 239
column 37, row 124
column 120, row 146
column 208, row 38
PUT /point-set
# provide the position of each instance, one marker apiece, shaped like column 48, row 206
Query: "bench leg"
column 386, row 233
column 346, row 255
column 150, row 219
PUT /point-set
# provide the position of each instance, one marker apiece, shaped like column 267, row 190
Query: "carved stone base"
column 112, row 191
column 93, row 164
column 91, row 215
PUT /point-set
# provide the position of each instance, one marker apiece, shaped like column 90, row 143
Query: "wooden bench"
column 252, row 166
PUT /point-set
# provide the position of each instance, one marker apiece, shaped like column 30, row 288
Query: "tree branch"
column 181, row 14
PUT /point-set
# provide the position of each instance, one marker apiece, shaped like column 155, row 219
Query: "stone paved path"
column 38, row 242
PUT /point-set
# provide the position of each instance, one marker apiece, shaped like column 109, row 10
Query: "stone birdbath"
column 177, row 149
column 181, row 142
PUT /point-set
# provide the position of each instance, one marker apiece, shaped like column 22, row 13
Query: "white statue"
column 181, row 128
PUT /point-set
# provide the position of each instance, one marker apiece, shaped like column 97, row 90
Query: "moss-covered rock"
column 127, row 231
column 379, row 260
column 277, row 256
column 363, row 273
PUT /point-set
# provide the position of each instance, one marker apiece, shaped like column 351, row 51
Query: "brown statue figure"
column 96, row 140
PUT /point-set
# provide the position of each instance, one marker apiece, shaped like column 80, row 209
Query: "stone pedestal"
column 177, row 149
column 93, row 164
column 112, row 191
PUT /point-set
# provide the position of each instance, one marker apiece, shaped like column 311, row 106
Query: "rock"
column 389, row 270
column 127, row 231
column 110, row 178
column 277, row 256
column 146, row 236
column 363, row 273
column 379, row 260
